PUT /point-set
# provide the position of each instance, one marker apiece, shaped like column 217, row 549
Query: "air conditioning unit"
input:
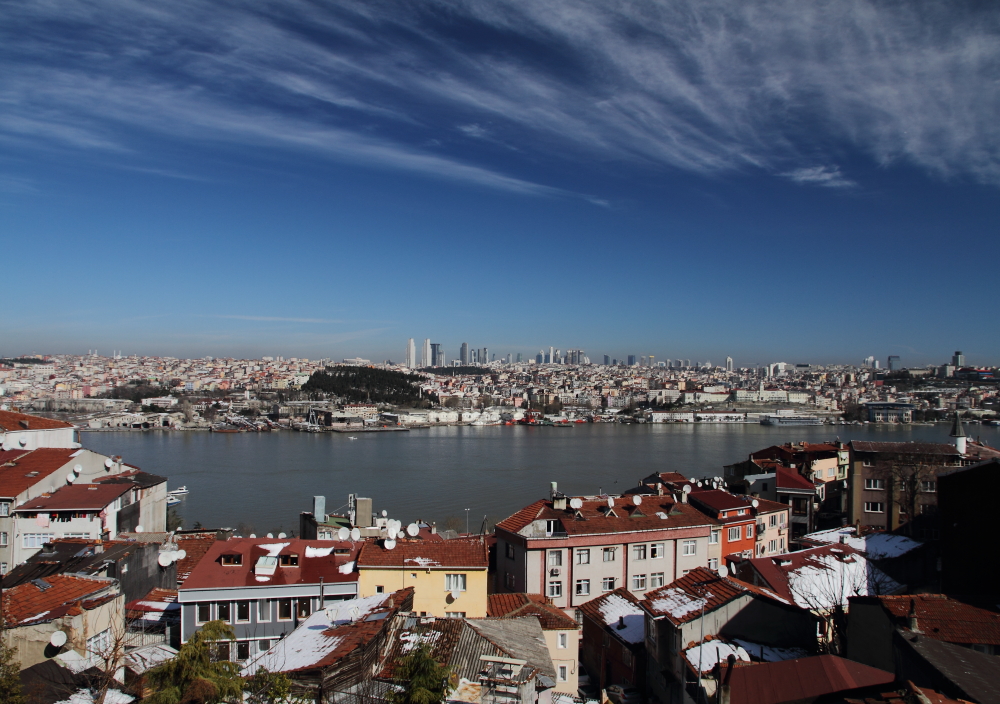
column 554, row 572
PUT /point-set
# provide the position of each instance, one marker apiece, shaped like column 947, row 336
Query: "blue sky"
column 772, row 180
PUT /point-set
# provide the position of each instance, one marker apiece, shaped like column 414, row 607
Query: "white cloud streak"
column 705, row 86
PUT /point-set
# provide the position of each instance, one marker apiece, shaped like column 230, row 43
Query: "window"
column 555, row 589
column 454, row 614
column 223, row 609
column 243, row 612
column 380, row 589
column 510, row 551
column 232, row 559
column 263, row 645
column 866, row 463
column 563, row 673
column 609, row 554
column 781, row 544
column 656, row 551
column 741, row 512
column 284, row 609
column 454, row 582
column 713, row 563
column 288, row 560
column 734, row 534
column 99, row 645
column 875, row 484
column 749, row 532
column 555, row 558
column 509, row 579
column 713, row 538
column 772, row 520
column 874, row 507
column 35, row 540
column 608, row 584
column 638, row 581
column 772, row 546
column 638, row 552
column 583, row 556
column 582, row 587
column 627, row 661
column 928, row 487
column 263, row 610
column 222, row 651
column 691, row 547
column 800, row 507
column 3, row 539
column 3, row 568
column 242, row 650
column 551, row 526
column 563, row 641
column 4, row 508
column 203, row 613
column 304, row 607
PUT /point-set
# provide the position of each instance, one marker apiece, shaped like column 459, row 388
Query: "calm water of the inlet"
column 265, row 479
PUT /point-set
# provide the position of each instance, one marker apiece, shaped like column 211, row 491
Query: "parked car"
column 588, row 692
column 621, row 694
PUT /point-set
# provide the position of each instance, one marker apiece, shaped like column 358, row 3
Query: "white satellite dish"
column 699, row 483
column 181, row 554
column 281, row 536
column 78, row 468
column 636, row 499
column 270, row 535
column 164, row 559
column 687, row 489
column 253, row 535
column 398, row 524
column 576, row 503
column 384, row 513
column 138, row 529
column 344, row 533
column 355, row 534
column 390, row 544
column 692, row 480
column 108, row 462
column 22, row 442
column 413, row 530
column 70, row 478
column 611, row 502
column 58, row 639
column 392, row 534
column 723, row 571
column 455, row 595
column 755, row 503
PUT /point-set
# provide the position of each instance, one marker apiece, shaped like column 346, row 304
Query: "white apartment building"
column 19, row 431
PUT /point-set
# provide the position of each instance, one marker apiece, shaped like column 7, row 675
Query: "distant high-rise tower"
column 411, row 354
column 486, row 355
column 631, row 360
column 540, row 357
column 519, row 360
column 958, row 359
column 893, row 363
column 464, row 354
column 437, row 359
column 729, row 364
column 425, row 353
column 607, row 360
column 552, row 355
column 652, row 361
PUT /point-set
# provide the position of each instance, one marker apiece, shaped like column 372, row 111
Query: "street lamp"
column 466, row 521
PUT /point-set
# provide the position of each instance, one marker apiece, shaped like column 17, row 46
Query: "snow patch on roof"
column 678, row 603
column 272, row 549
column 354, row 609
column 615, row 609
column 708, row 655
column 318, row 552
column 825, row 581
column 877, row 546
column 415, row 640
column 769, row 653
column 84, row 696
column 422, row 561
column 346, row 568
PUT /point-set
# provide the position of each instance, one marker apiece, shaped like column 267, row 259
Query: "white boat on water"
column 172, row 501
column 352, row 438
column 179, row 491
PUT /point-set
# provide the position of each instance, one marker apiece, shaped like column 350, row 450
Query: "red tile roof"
column 11, row 421
column 211, row 573
column 410, row 554
column 790, row 479
column 719, row 500
column 47, row 599
column 195, row 545
column 594, row 517
column 15, row 465
column 77, row 497
column 682, row 600
column 804, row 679
column 943, row 618
column 551, row 617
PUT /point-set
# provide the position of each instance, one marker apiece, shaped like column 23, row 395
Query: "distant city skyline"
column 686, row 178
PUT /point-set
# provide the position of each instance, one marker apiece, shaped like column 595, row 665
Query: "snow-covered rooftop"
column 615, row 609
column 678, row 603
column 769, row 653
column 877, row 546
column 711, row 652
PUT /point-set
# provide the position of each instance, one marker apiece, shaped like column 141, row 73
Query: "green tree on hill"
column 425, row 681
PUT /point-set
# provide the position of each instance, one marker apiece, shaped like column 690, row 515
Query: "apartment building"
column 19, row 431
column 572, row 549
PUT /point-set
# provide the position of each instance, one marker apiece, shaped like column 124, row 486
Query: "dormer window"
column 288, row 560
column 551, row 526
column 232, row 559
column 741, row 512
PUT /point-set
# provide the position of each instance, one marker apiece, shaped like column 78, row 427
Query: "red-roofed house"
column 805, row 680
column 449, row 576
column 737, row 516
column 89, row 610
column 786, row 486
column 573, row 549
column 264, row 587
column 19, row 431
column 701, row 604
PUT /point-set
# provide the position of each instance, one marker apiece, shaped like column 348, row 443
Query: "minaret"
column 959, row 434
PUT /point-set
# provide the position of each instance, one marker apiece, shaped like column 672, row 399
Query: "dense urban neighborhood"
column 841, row 571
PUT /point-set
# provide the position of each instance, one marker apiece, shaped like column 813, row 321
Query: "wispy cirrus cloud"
column 703, row 86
